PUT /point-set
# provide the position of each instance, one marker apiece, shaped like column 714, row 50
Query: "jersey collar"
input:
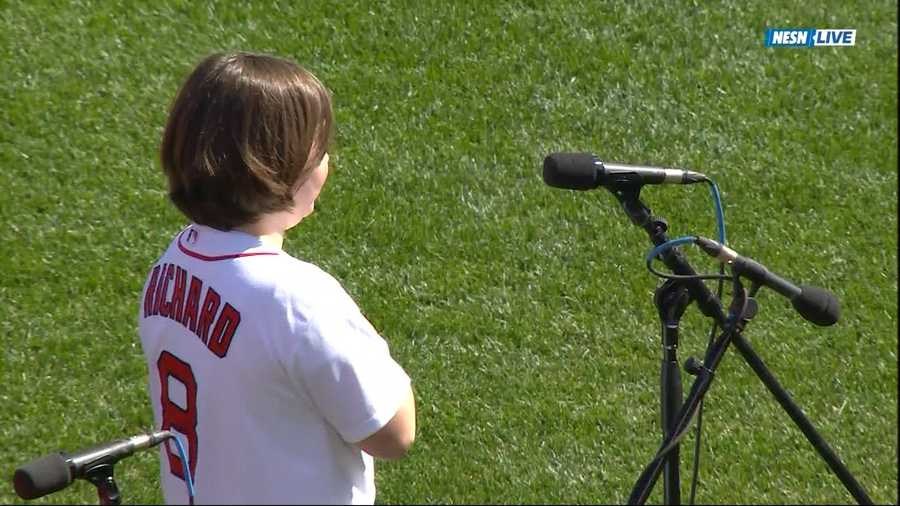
column 211, row 245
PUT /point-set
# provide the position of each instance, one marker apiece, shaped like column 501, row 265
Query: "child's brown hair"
column 243, row 133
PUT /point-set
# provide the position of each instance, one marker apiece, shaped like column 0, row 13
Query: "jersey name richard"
column 192, row 305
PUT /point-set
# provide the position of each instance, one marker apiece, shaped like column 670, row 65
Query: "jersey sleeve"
column 347, row 370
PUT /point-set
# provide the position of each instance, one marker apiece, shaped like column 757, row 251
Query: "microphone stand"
column 671, row 299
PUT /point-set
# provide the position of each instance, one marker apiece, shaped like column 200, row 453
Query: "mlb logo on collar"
column 810, row 37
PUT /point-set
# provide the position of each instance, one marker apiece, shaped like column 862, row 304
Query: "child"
column 261, row 363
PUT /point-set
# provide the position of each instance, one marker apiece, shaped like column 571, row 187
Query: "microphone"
column 813, row 303
column 56, row 471
column 583, row 171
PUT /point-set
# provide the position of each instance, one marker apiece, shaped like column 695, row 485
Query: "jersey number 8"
column 182, row 419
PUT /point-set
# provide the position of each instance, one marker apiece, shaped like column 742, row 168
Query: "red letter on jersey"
column 208, row 313
column 226, row 325
column 192, row 303
column 165, row 306
column 176, row 306
column 158, row 295
column 151, row 291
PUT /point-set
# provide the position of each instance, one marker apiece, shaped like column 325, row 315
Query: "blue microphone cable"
column 720, row 225
column 720, row 212
column 185, row 466
column 698, row 428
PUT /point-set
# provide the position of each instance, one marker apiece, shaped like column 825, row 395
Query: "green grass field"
column 523, row 313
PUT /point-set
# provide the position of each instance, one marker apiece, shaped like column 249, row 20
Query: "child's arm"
column 394, row 439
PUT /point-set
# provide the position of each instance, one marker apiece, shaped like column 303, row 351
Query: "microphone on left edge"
column 56, row 471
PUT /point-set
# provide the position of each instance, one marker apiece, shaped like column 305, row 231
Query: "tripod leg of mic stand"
column 799, row 418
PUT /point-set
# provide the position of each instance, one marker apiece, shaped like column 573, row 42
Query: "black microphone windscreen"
column 42, row 476
column 572, row 171
column 817, row 305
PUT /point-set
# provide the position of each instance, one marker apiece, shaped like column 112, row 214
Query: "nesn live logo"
column 809, row 37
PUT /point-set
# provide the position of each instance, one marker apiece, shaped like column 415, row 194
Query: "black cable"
column 720, row 277
column 698, row 429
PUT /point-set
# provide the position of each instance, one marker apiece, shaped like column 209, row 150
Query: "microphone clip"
column 629, row 195
column 101, row 476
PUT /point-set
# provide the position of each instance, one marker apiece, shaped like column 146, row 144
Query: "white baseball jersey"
column 266, row 368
